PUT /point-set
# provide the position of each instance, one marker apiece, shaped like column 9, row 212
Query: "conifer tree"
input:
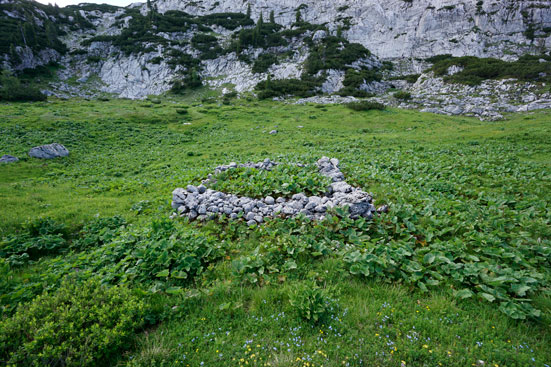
column 30, row 35
column 272, row 17
column 249, row 11
column 51, row 34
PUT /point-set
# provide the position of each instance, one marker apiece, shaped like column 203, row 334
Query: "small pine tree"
column 272, row 17
column 30, row 35
column 238, row 46
column 14, row 56
column 249, row 11
column 51, row 34
column 149, row 5
column 260, row 21
column 339, row 32
column 298, row 16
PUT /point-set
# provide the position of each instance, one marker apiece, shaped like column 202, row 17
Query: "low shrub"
column 365, row 106
column 93, row 59
column 402, row 95
column 264, row 62
column 475, row 70
column 305, row 87
column 81, row 324
column 410, row 78
column 12, row 90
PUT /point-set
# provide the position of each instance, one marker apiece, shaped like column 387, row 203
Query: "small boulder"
column 273, row 132
column 8, row 159
column 49, row 151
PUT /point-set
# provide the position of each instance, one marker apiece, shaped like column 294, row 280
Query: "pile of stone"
column 203, row 204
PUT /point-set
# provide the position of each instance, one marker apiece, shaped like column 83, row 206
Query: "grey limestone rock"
column 49, row 151
column 8, row 159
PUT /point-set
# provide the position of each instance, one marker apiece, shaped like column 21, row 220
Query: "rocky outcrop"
column 49, row 151
column 398, row 28
column 204, row 204
column 405, row 32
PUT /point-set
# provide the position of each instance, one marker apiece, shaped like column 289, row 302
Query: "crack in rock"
column 198, row 202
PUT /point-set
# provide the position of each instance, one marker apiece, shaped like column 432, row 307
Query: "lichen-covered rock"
column 8, row 159
column 49, row 151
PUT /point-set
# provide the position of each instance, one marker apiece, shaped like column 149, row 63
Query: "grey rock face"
column 8, row 159
column 208, row 204
column 397, row 28
column 49, row 151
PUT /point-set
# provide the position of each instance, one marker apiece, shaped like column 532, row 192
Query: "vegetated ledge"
column 206, row 204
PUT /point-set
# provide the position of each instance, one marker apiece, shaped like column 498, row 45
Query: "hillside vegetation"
column 93, row 272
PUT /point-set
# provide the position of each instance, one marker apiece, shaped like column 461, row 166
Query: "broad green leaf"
column 163, row 273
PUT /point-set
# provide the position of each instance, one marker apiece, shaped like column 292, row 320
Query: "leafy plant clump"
column 282, row 180
column 313, row 303
column 81, row 324
column 38, row 238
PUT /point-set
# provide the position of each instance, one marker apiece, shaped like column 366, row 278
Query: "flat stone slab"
column 8, row 159
column 49, row 151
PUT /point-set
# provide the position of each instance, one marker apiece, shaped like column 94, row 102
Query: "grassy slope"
column 127, row 154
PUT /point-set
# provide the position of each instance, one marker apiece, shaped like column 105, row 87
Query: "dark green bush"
column 334, row 53
column 354, row 79
column 365, row 106
column 402, row 95
column 81, row 324
column 304, row 87
column 207, row 44
column 476, row 70
column 11, row 89
column 264, row 62
column 156, row 60
column 93, row 59
column 229, row 21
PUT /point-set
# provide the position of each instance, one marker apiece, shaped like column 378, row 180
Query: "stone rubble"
column 49, row 151
column 200, row 203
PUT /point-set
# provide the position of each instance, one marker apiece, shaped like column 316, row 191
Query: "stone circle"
column 198, row 202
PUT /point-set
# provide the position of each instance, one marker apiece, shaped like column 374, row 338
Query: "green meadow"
column 94, row 273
